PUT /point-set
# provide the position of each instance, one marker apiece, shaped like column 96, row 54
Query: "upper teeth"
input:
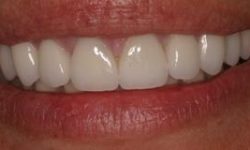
column 146, row 61
column 142, row 63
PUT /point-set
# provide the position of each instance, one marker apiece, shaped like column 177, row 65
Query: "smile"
column 120, row 75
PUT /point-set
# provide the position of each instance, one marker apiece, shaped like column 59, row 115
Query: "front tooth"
column 53, row 64
column 143, row 63
column 212, row 49
column 6, row 63
column 26, row 63
column 41, row 87
column 183, row 56
column 232, row 55
column 93, row 66
column 245, row 44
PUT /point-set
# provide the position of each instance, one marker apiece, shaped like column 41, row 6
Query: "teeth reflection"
column 232, row 55
column 6, row 62
column 146, row 61
column 26, row 62
column 212, row 49
column 142, row 64
column 53, row 64
column 93, row 66
column 183, row 56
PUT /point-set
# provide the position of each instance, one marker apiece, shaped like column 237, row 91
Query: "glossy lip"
column 43, row 19
column 121, row 114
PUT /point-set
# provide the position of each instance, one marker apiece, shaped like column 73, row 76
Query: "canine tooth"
column 54, row 63
column 7, row 65
column 232, row 53
column 245, row 44
column 183, row 56
column 212, row 49
column 40, row 86
column 143, row 63
column 93, row 66
column 26, row 63
column 69, row 88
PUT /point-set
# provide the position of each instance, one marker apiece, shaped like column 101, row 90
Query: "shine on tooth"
column 245, row 44
column 54, row 63
column 93, row 67
column 183, row 56
column 212, row 49
column 26, row 62
column 142, row 64
column 232, row 53
column 6, row 62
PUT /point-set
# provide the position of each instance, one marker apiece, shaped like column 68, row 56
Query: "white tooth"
column 212, row 49
column 40, row 86
column 54, row 63
column 199, row 77
column 232, row 53
column 143, row 63
column 6, row 63
column 245, row 44
column 26, row 63
column 183, row 56
column 69, row 88
column 93, row 66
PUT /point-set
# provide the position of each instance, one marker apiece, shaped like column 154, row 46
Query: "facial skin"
column 226, row 129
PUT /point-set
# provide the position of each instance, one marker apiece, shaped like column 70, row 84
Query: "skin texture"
column 225, row 129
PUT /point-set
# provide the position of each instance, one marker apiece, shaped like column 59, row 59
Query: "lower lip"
column 121, row 114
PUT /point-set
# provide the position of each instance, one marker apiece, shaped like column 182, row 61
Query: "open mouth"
column 93, row 79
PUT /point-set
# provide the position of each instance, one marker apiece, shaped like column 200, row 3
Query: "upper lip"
column 34, row 20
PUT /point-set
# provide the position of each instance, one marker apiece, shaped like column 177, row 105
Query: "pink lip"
column 122, row 114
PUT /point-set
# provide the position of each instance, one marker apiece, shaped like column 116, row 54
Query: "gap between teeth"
column 137, row 62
